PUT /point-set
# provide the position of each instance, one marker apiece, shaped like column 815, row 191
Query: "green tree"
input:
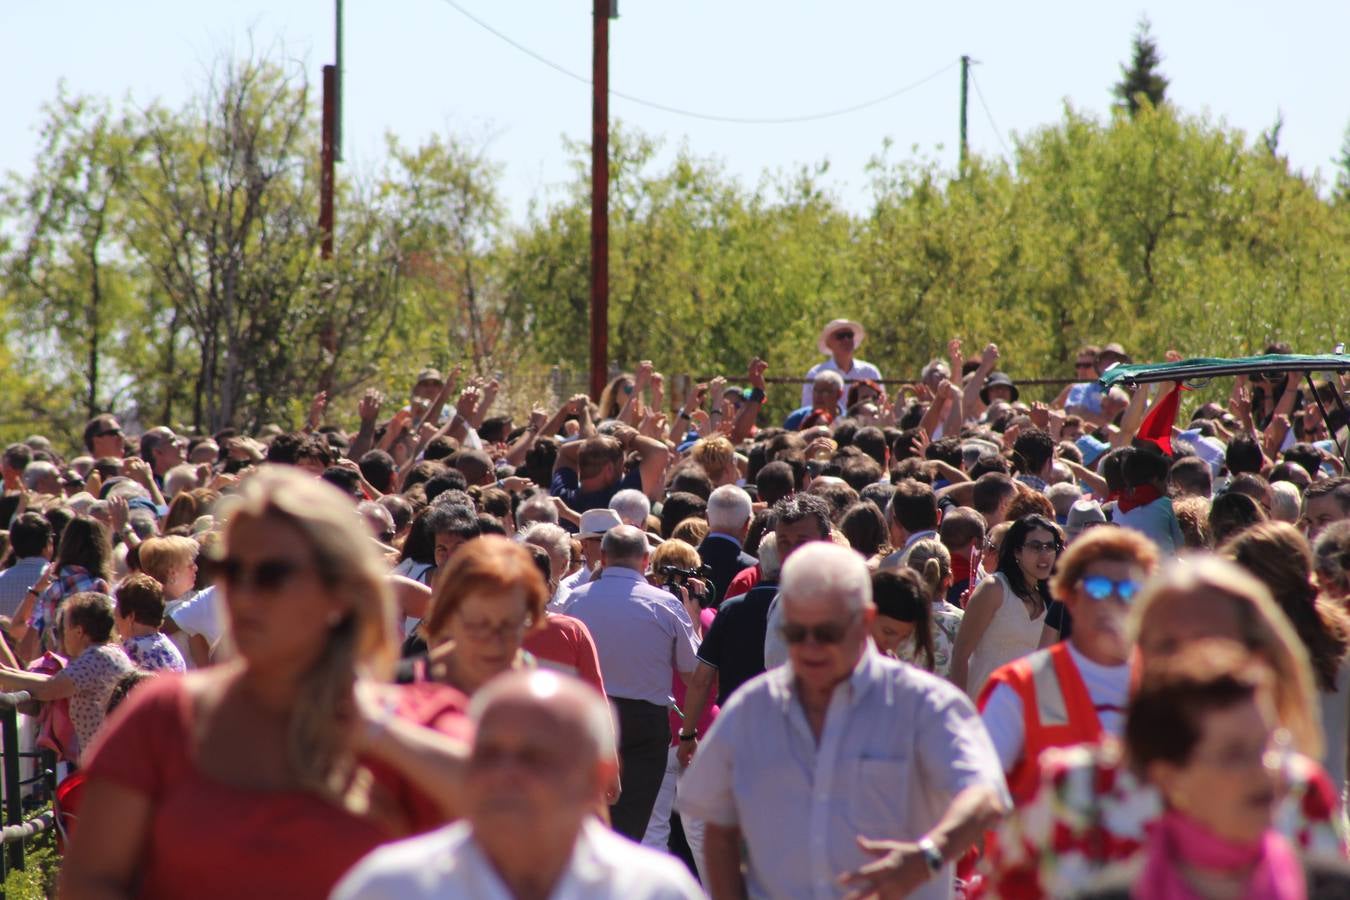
column 1141, row 78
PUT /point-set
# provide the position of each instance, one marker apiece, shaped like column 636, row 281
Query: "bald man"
column 842, row 770
column 542, row 759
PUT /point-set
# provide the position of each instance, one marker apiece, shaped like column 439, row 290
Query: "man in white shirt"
column 842, row 771
column 839, row 340
column 542, row 759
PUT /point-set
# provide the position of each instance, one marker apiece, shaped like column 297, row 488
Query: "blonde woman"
column 246, row 779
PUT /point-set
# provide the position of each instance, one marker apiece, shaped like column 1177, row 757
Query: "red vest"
column 1057, row 710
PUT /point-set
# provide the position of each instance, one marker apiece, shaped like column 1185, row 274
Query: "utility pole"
column 965, row 89
column 326, row 173
column 604, row 10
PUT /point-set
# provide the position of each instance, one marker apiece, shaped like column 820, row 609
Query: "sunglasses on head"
column 827, row 634
column 267, row 575
column 1099, row 587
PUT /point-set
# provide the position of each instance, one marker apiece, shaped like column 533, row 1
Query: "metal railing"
column 17, row 829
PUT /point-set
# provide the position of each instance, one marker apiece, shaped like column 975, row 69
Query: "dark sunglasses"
column 826, row 635
column 1099, row 587
column 1086, row 363
column 109, row 432
column 845, row 335
column 1041, row 546
column 268, row 575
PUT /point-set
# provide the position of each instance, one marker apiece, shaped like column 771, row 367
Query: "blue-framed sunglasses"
column 1099, row 587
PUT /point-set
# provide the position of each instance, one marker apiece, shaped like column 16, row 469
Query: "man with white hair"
column 827, row 392
column 881, row 774
column 642, row 634
column 729, row 512
column 557, row 543
column 42, row 477
column 542, row 758
column 632, row 506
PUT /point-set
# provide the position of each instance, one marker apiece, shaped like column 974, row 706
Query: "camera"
column 693, row 580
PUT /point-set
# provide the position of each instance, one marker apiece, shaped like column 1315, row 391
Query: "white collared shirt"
column 897, row 745
column 449, row 863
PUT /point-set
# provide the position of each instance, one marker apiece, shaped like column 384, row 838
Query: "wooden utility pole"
column 600, row 198
column 326, row 161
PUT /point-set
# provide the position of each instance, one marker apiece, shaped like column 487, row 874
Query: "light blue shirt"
column 642, row 634
column 1156, row 520
column 897, row 746
column 861, row 371
column 16, row 580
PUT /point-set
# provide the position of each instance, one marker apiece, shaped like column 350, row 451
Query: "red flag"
column 1157, row 425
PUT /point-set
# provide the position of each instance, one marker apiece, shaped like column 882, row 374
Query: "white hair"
column 1285, row 501
column 37, row 470
column 180, row 478
column 538, row 508
column 830, row 376
column 934, row 365
column 729, row 508
column 767, row 553
column 548, row 537
column 825, row 569
column 544, row 687
column 632, row 507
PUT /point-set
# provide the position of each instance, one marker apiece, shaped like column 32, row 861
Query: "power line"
column 692, row 114
column 988, row 115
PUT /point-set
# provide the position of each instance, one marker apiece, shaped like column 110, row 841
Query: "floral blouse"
column 1091, row 810
column 154, row 652
column 946, row 622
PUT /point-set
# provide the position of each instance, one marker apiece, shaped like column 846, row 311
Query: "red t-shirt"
column 567, row 642
column 743, row 581
column 211, row 840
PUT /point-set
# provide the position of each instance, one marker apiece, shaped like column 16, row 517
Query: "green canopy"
column 1200, row 369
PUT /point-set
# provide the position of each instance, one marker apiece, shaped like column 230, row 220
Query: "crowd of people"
column 931, row 641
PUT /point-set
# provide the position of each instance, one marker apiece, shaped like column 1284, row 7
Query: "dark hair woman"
column 83, row 563
column 904, row 616
column 1005, row 615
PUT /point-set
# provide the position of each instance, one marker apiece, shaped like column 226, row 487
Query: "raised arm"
column 745, row 419
column 970, row 399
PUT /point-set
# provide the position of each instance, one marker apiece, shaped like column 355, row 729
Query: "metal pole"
column 600, row 198
column 965, row 82
column 326, row 161
column 9, row 741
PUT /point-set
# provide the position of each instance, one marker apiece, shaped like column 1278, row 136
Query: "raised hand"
column 1040, row 416
column 755, row 373
column 368, row 409
column 990, row 355
column 316, row 409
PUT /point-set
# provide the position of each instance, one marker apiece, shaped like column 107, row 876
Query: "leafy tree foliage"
column 164, row 263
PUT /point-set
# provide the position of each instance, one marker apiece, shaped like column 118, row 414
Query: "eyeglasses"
column 268, row 575
column 845, row 335
column 827, row 634
column 1041, row 546
column 991, row 547
column 483, row 631
column 1099, row 587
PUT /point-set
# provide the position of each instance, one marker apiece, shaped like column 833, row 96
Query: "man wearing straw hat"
column 839, row 340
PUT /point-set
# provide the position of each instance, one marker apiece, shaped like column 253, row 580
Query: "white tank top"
column 1010, row 635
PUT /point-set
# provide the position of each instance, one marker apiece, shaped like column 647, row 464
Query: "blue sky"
column 415, row 67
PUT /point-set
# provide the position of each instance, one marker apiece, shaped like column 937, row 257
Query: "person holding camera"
column 642, row 633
